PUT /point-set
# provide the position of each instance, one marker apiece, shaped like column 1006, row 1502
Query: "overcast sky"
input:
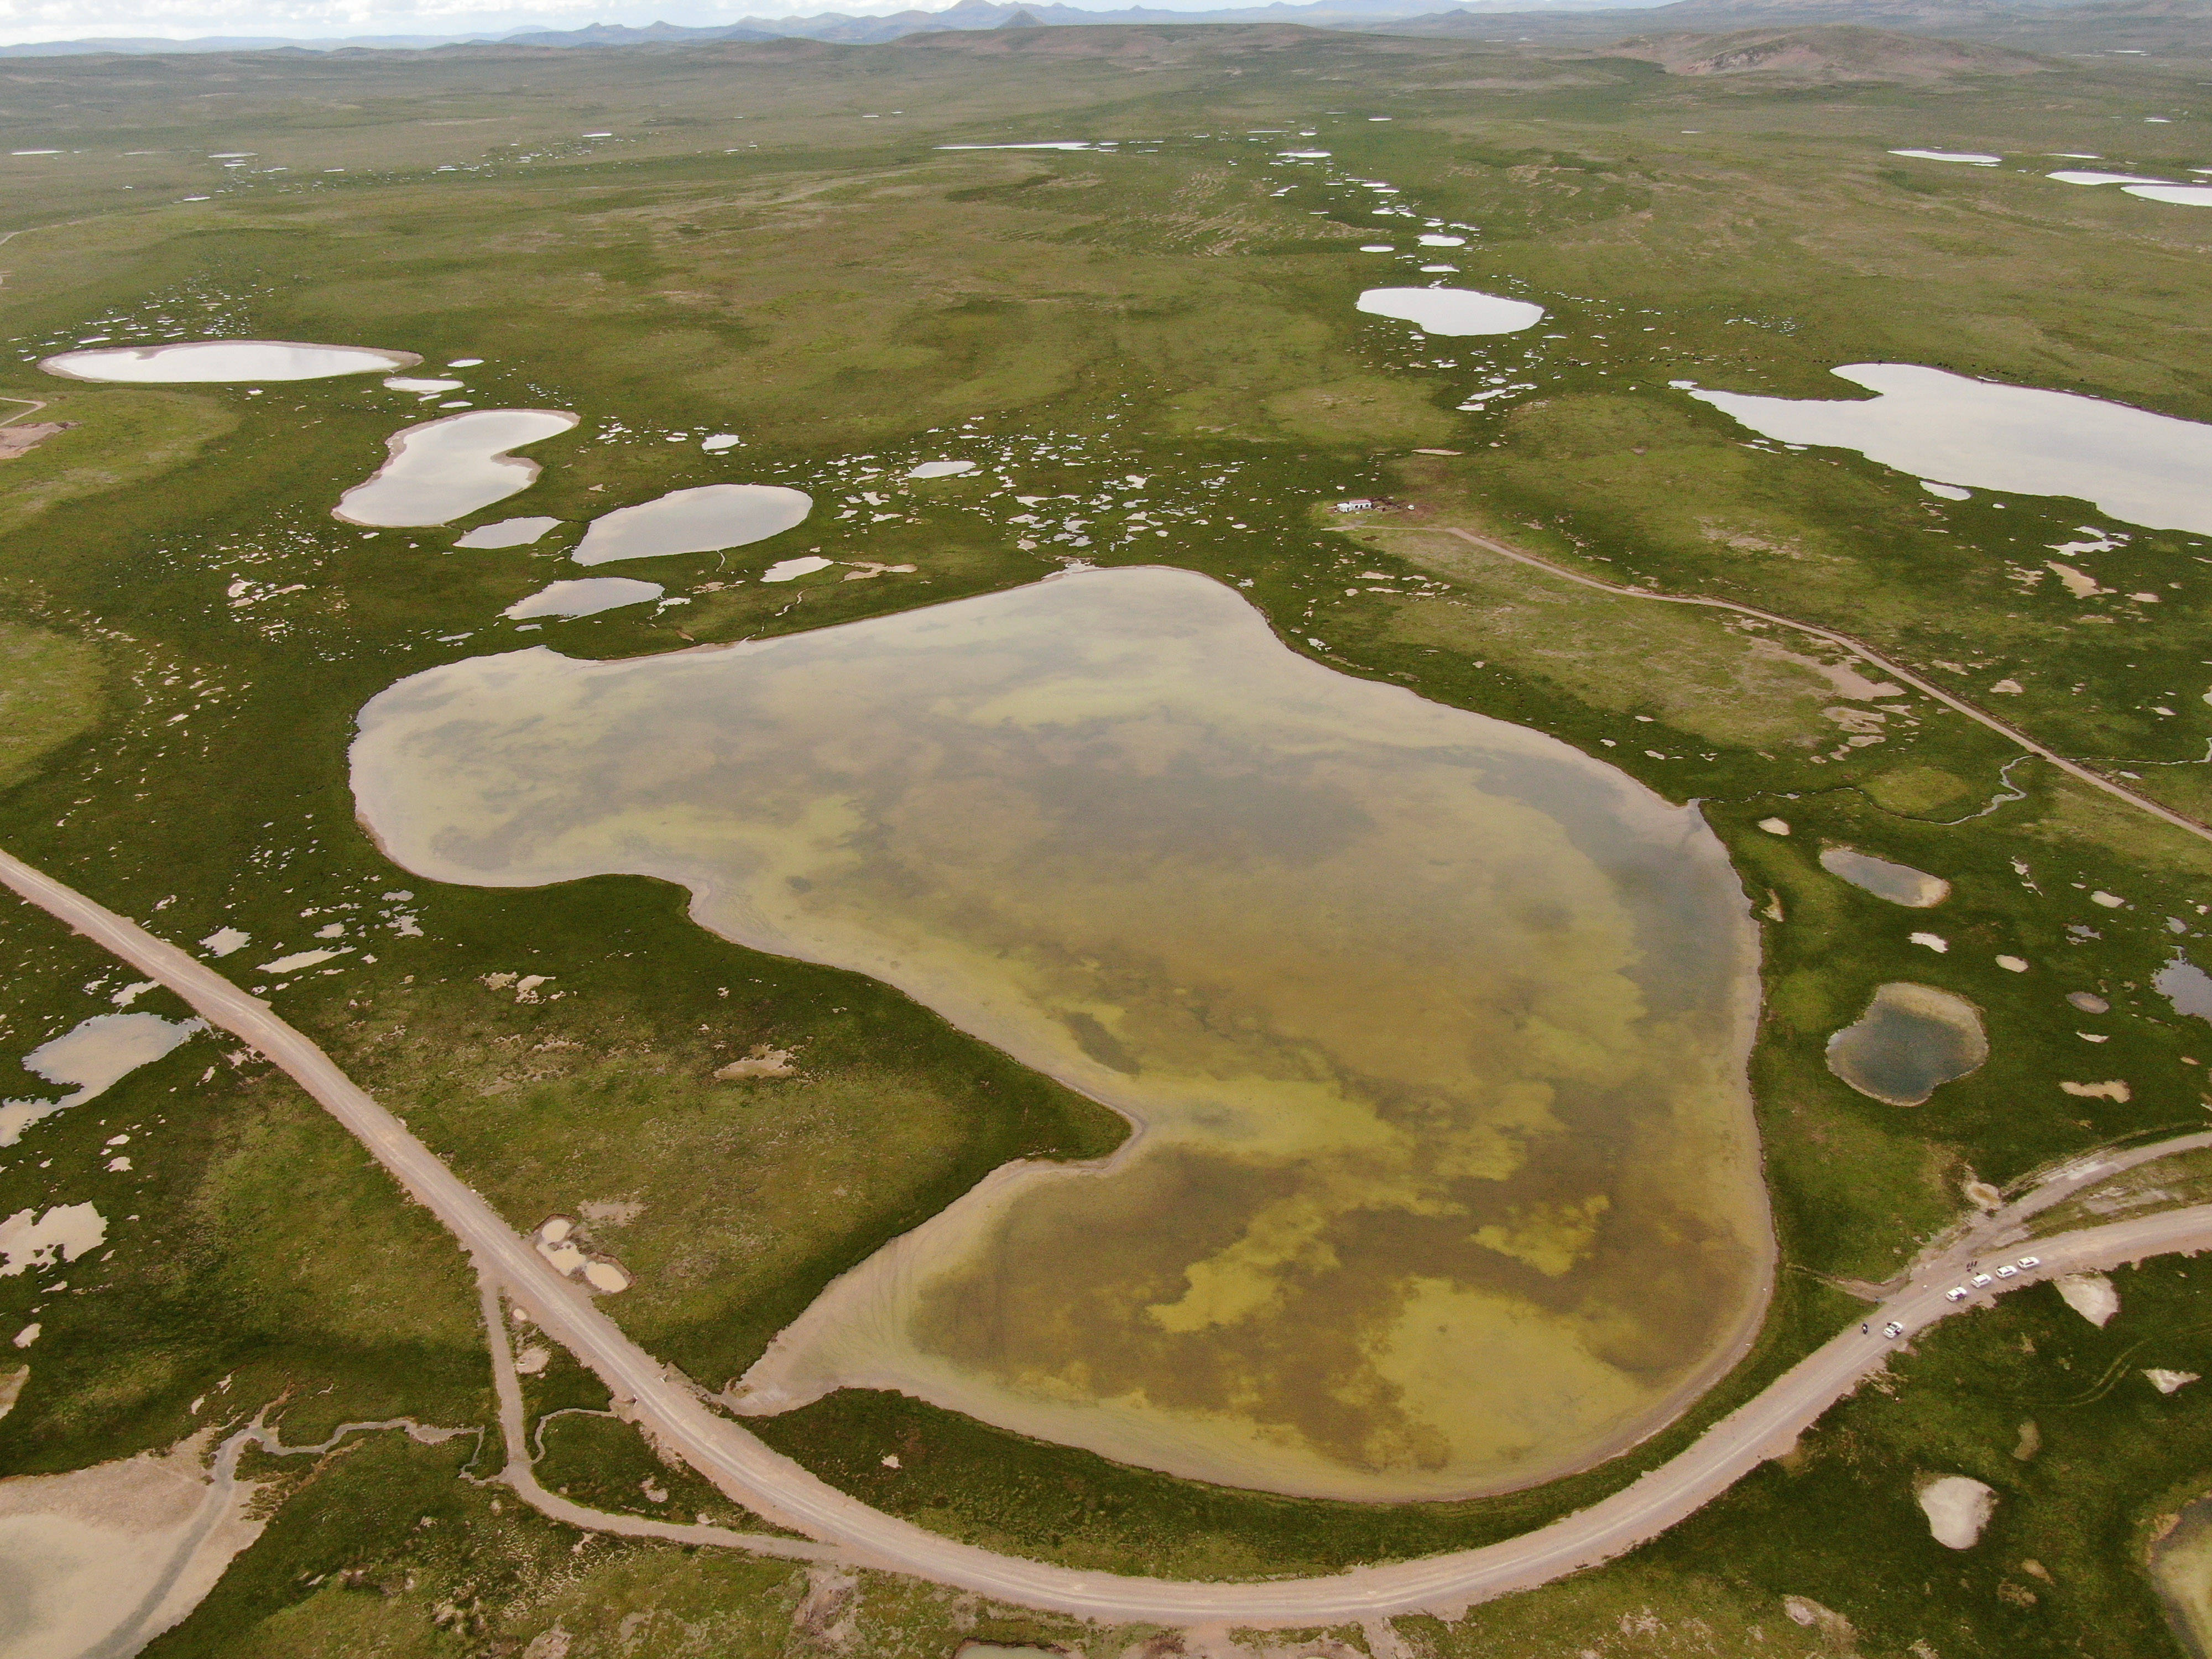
column 73, row 19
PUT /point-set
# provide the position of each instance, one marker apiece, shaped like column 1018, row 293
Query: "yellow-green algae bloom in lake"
column 1434, row 1028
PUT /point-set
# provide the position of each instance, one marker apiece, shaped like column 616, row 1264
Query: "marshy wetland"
column 812, row 270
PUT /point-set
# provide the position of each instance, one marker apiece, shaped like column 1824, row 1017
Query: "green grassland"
column 186, row 635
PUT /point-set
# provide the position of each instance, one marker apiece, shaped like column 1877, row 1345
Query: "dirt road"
column 2010, row 733
column 779, row 1491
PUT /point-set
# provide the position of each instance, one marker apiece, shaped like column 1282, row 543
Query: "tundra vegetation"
column 775, row 244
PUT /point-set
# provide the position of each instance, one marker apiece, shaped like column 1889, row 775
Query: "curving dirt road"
column 2072, row 768
column 779, row 1490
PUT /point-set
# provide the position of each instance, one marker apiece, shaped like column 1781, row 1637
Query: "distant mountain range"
column 2158, row 27
column 861, row 29
column 2149, row 27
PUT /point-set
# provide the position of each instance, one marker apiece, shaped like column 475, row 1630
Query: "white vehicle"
column 1979, row 1280
column 2007, row 1272
column 2031, row 1262
column 1893, row 1330
column 1956, row 1293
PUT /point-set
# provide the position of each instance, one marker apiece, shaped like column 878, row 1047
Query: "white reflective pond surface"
column 1900, row 884
column 703, row 520
column 1452, row 310
column 91, row 1057
column 940, row 469
column 2179, row 195
column 445, row 469
column 1969, row 157
column 507, row 532
column 586, row 597
column 209, row 361
column 2150, row 470
column 2074, row 176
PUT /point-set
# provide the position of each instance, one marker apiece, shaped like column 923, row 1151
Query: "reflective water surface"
column 508, row 532
column 213, row 361
column 2185, row 986
column 1900, row 884
column 586, row 597
column 703, row 520
column 1435, row 1027
column 2146, row 468
column 1911, row 1041
column 1452, row 310
column 447, row 469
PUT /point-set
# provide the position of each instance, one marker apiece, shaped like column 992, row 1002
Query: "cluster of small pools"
column 443, row 470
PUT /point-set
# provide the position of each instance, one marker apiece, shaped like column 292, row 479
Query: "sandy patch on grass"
column 1958, row 1507
column 100, row 1560
column 22, row 440
column 2090, row 1295
column 761, row 1061
column 2112, row 1090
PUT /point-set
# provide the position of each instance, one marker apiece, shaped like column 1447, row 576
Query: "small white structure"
column 1357, row 504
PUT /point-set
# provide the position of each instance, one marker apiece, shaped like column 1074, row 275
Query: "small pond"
column 212, row 362
column 586, row 597
column 1911, row 1040
column 2186, row 986
column 703, row 520
column 1900, row 884
column 2141, row 467
column 447, row 469
column 1971, row 158
column 2076, row 176
column 1452, row 310
column 507, row 532
column 89, row 1059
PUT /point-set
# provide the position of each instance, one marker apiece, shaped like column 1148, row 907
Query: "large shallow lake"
column 1435, row 1027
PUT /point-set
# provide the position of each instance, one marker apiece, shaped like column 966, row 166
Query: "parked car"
column 2007, row 1272
column 1980, row 1280
column 1956, row 1293
column 2031, row 1262
column 1893, row 1330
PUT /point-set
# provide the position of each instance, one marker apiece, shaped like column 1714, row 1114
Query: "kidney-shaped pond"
column 447, row 469
column 1435, row 1028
